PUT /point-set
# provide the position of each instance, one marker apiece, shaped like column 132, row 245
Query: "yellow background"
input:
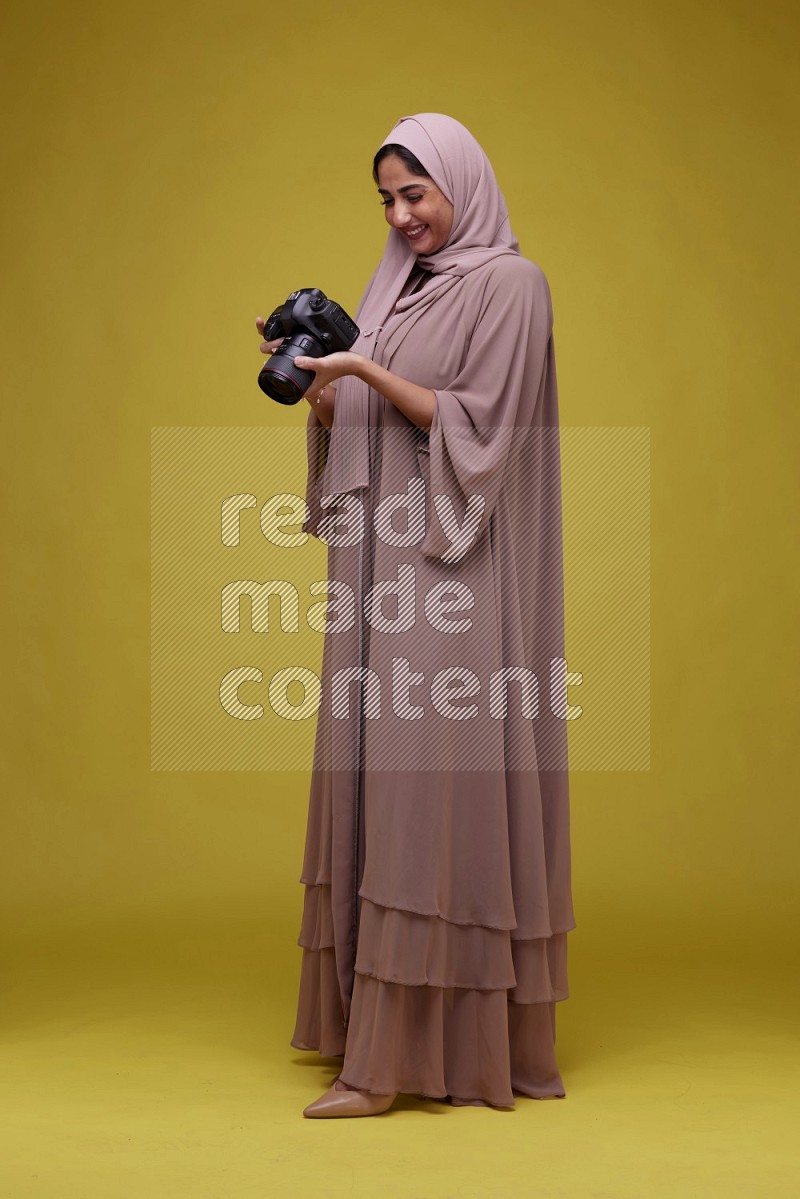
column 169, row 173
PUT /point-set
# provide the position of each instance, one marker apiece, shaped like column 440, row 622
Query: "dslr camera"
column 311, row 326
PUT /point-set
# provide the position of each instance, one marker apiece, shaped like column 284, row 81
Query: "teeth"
column 412, row 232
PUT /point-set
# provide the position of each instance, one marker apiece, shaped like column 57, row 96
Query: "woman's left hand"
column 330, row 368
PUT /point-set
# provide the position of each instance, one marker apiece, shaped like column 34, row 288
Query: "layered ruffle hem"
column 439, row 1009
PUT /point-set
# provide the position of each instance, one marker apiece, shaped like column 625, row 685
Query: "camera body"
column 311, row 326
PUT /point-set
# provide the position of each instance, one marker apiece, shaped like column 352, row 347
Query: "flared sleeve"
column 488, row 409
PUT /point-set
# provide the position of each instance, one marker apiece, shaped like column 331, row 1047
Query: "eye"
column 411, row 199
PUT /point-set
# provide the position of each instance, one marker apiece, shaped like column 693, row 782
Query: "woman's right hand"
column 266, row 347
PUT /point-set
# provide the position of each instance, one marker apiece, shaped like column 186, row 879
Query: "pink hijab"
column 481, row 231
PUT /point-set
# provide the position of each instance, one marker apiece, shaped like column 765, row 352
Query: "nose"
column 400, row 214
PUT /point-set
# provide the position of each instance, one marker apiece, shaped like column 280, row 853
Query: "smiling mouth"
column 416, row 233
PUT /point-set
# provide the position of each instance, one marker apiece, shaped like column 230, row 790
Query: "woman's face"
column 414, row 205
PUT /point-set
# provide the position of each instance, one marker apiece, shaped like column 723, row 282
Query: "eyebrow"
column 409, row 187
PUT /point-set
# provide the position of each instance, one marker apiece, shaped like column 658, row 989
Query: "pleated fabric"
column 438, row 1009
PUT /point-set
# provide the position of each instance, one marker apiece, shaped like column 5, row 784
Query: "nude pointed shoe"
column 339, row 1100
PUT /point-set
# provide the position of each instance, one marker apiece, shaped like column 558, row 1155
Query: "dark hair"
column 414, row 165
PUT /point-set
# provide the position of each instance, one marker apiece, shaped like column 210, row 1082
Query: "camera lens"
column 280, row 379
column 280, row 388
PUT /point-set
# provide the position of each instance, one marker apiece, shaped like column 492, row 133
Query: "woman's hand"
column 327, row 370
column 415, row 402
column 321, row 396
column 266, row 347
column 330, row 368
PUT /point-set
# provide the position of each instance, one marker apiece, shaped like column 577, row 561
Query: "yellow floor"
column 150, row 1057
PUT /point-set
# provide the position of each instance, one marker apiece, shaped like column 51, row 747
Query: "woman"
column 437, row 859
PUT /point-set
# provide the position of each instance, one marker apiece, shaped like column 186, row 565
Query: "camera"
column 311, row 326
